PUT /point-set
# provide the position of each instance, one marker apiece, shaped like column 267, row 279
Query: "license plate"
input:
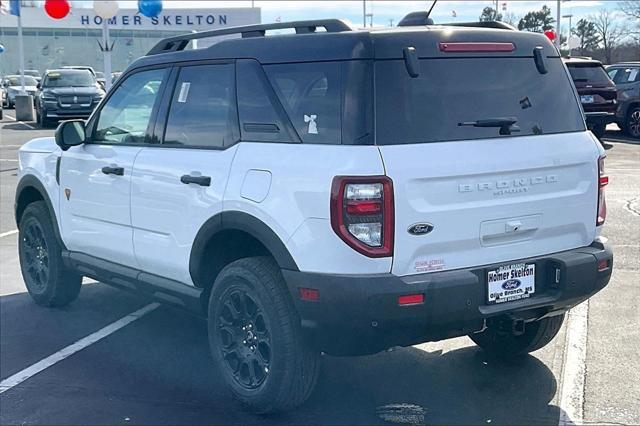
column 586, row 99
column 511, row 282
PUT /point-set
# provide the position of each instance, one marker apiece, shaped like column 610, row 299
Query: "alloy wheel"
column 634, row 123
column 36, row 254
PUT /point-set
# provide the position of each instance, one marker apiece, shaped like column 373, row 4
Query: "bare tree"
column 611, row 31
column 631, row 8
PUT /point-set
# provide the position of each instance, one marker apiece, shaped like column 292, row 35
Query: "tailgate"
column 491, row 200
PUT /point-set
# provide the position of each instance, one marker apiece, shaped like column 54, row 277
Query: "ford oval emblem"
column 420, row 228
column 511, row 284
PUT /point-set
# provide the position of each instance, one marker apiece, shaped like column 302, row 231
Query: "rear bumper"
column 359, row 314
column 596, row 118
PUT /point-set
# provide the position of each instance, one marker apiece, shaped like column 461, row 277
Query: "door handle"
column 118, row 171
column 200, row 180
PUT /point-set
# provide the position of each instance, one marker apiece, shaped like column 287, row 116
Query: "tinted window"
column 590, row 73
column 71, row 78
column 449, row 92
column 203, row 109
column 126, row 114
column 311, row 93
column 624, row 75
column 15, row 81
column 257, row 107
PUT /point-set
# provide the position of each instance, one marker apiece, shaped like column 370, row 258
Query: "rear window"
column 624, row 75
column 588, row 73
column 449, row 94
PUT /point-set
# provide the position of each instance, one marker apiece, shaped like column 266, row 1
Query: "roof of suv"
column 582, row 61
column 339, row 42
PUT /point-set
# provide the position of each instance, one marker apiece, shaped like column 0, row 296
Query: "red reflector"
column 477, row 47
column 602, row 265
column 604, row 180
column 364, row 207
column 411, row 299
column 309, row 294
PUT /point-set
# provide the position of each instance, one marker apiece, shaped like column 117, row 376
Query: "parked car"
column 597, row 92
column 65, row 94
column 101, row 80
column 340, row 191
column 12, row 86
column 32, row 73
column 626, row 77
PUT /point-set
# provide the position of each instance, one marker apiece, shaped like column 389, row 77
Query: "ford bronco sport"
column 332, row 191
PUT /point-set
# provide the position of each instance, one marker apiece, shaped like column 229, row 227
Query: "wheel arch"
column 29, row 190
column 251, row 237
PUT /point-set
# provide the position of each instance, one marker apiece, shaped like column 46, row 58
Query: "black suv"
column 626, row 77
column 65, row 94
column 597, row 93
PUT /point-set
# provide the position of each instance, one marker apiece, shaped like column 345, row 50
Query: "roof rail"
column 487, row 24
column 177, row 43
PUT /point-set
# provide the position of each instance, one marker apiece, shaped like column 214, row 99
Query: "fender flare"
column 30, row 181
column 236, row 220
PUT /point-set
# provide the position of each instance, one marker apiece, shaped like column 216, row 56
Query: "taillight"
column 603, row 180
column 362, row 213
column 473, row 46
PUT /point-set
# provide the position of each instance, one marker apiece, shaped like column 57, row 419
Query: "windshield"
column 472, row 98
column 79, row 78
column 32, row 73
column 15, row 81
column 589, row 73
column 624, row 75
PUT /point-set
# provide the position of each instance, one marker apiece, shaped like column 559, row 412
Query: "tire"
column 598, row 130
column 43, row 123
column 48, row 281
column 253, row 325
column 632, row 123
column 504, row 344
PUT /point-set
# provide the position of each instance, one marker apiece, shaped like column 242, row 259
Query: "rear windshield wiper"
column 506, row 124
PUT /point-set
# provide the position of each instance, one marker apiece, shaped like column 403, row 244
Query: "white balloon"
column 574, row 42
column 106, row 9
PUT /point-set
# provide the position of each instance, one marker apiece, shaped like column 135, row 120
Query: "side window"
column 126, row 114
column 259, row 119
column 311, row 94
column 202, row 111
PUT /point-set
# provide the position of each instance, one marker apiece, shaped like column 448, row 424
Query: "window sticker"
column 313, row 127
column 633, row 74
column 184, row 92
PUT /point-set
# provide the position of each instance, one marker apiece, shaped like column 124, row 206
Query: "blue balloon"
column 150, row 8
column 1, row 48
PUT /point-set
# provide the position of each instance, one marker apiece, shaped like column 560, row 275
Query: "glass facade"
column 46, row 48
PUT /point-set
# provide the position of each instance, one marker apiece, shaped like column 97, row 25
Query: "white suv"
column 335, row 191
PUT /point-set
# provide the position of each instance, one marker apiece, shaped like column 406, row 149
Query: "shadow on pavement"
column 19, row 126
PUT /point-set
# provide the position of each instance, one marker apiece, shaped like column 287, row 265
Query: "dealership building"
column 74, row 40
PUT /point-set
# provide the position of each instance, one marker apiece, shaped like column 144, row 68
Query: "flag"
column 14, row 7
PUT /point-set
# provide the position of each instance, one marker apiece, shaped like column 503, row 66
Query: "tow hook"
column 517, row 327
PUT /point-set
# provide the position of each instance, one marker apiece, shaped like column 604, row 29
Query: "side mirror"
column 70, row 133
column 38, row 86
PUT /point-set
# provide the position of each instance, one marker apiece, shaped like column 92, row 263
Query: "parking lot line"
column 20, row 122
column 39, row 366
column 6, row 234
column 574, row 366
column 8, row 159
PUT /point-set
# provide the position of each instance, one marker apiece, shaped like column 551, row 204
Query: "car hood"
column 27, row 88
column 79, row 91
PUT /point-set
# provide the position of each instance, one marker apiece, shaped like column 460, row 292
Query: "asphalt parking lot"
column 156, row 369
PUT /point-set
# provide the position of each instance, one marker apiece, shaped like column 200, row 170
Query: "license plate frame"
column 511, row 282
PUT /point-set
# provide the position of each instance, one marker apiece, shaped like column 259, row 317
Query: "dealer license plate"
column 586, row 99
column 511, row 282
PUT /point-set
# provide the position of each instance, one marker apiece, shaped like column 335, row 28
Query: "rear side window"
column 311, row 94
column 449, row 94
column 624, row 75
column 203, row 112
column 588, row 73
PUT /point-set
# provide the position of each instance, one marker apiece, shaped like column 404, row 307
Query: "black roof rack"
column 177, row 43
column 487, row 24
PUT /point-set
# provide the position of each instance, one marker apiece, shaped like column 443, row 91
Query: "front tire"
column 256, row 339
column 48, row 281
column 43, row 123
column 632, row 123
column 505, row 344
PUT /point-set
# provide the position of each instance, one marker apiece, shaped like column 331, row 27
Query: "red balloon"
column 551, row 34
column 57, row 9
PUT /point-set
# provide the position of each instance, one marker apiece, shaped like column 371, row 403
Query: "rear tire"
column 504, row 344
column 256, row 339
column 632, row 123
column 48, row 281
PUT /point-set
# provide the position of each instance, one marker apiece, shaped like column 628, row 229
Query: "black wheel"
column 598, row 130
column 48, row 281
column 43, row 123
column 505, row 344
column 632, row 124
column 256, row 339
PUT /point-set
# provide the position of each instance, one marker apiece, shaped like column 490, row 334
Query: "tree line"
column 608, row 35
